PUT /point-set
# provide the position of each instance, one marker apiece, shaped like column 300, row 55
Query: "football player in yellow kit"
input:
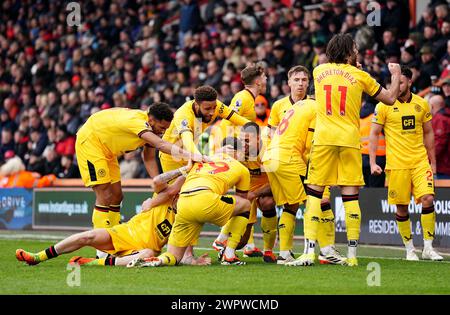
column 142, row 237
column 335, row 157
column 260, row 194
column 243, row 102
column 410, row 144
column 110, row 133
column 191, row 119
column 298, row 81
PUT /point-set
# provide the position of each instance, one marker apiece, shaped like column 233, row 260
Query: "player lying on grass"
column 143, row 236
column 203, row 199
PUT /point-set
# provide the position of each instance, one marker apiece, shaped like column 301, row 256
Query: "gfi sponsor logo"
column 165, row 227
column 408, row 122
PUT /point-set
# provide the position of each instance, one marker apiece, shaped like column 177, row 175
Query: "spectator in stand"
column 129, row 166
column 65, row 143
column 7, row 142
column 441, row 127
column 429, row 65
column 67, row 169
column 262, row 111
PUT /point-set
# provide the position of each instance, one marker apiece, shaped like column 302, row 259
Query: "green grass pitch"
column 397, row 276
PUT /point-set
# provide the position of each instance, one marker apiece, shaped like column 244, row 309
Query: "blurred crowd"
column 132, row 53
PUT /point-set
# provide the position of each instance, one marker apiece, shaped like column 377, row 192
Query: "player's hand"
column 251, row 195
column 359, row 65
column 147, row 204
column 206, row 158
column 375, row 169
column 226, row 149
column 196, row 157
column 203, row 260
column 394, row 68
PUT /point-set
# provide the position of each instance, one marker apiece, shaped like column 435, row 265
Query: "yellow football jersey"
column 185, row 120
column 153, row 226
column 339, row 89
column 279, row 108
column 220, row 175
column 290, row 138
column 403, row 130
column 242, row 103
column 117, row 129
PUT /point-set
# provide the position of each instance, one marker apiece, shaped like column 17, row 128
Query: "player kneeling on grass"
column 143, row 236
column 410, row 144
column 260, row 196
column 203, row 199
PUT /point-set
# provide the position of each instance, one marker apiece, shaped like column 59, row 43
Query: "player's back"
column 157, row 222
column 339, row 90
column 117, row 129
column 220, row 175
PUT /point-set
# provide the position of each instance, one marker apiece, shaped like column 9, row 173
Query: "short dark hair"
column 205, row 93
column 233, row 141
column 250, row 73
column 339, row 48
column 161, row 111
column 298, row 69
column 251, row 127
column 406, row 71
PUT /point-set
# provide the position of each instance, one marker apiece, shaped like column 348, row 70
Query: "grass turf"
column 397, row 276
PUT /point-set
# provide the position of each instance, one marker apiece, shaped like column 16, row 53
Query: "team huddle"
column 309, row 145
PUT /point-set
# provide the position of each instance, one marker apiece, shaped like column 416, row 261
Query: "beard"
column 403, row 94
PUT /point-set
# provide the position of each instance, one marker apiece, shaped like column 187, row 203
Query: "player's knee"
column 427, row 200
column 244, row 205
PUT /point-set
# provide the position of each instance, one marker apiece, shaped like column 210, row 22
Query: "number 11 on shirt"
column 343, row 91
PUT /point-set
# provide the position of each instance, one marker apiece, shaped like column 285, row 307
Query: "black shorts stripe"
column 92, row 173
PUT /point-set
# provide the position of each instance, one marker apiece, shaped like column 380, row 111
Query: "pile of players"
column 309, row 145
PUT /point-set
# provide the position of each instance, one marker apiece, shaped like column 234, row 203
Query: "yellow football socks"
column 428, row 219
column 286, row 227
column 269, row 228
column 404, row 227
column 236, row 228
column 326, row 231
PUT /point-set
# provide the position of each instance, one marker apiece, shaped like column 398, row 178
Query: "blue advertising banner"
column 16, row 208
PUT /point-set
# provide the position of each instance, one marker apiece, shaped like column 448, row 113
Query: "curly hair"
column 161, row 111
column 340, row 48
column 205, row 93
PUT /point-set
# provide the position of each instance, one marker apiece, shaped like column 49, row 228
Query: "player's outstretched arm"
column 149, row 158
column 170, row 148
column 375, row 131
column 428, row 141
column 167, row 192
column 390, row 95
